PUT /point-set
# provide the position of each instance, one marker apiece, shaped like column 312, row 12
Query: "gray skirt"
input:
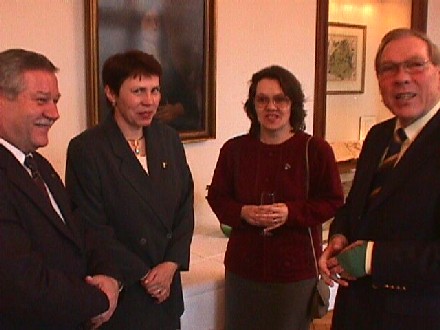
column 251, row 305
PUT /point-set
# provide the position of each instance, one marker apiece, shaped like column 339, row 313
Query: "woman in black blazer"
column 131, row 181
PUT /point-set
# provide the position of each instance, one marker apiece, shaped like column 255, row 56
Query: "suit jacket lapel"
column 57, row 189
column 160, row 160
column 368, row 171
column 131, row 170
column 22, row 180
column 420, row 149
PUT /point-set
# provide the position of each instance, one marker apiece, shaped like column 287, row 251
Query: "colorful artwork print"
column 345, row 58
column 342, row 58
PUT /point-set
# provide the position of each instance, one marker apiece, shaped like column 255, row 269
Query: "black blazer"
column 404, row 222
column 145, row 219
column 43, row 262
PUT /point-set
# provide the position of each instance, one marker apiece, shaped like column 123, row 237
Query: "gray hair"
column 433, row 51
column 14, row 63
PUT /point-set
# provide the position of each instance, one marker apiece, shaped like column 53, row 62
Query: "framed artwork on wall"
column 180, row 34
column 346, row 58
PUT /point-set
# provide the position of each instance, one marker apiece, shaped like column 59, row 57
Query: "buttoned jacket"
column 145, row 219
column 43, row 260
column 404, row 222
column 245, row 168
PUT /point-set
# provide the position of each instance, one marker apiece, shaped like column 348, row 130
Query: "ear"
column 111, row 96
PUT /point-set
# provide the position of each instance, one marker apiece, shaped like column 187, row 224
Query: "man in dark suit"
column 51, row 274
column 384, row 248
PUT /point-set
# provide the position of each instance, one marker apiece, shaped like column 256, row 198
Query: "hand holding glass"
column 267, row 198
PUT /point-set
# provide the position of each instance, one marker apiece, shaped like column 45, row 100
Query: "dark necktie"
column 389, row 161
column 31, row 164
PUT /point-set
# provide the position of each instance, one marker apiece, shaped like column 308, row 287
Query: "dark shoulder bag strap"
column 307, row 195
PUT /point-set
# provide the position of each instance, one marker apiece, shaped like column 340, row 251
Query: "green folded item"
column 353, row 261
column 226, row 230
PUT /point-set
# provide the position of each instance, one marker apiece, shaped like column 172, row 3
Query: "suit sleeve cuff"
column 369, row 257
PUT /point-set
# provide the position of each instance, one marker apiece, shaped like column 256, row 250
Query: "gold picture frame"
column 346, row 58
column 182, row 39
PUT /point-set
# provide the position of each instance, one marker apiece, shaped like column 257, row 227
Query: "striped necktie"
column 389, row 161
column 31, row 164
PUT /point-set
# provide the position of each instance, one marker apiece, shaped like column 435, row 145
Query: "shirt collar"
column 14, row 150
column 414, row 129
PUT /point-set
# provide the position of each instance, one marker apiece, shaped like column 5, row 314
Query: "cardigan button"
column 143, row 241
column 170, row 235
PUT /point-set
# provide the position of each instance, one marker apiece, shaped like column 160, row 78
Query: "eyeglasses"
column 413, row 66
column 280, row 101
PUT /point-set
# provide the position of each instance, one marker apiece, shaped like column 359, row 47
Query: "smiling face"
column 136, row 104
column 409, row 96
column 25, row 120
column 273, row 114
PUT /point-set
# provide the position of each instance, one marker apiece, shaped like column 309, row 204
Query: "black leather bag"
column 319, row 302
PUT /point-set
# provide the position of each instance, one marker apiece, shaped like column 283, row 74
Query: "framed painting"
column 180, row 34
column 346, row 58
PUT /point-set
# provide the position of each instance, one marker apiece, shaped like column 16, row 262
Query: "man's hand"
column 110, row 287
column 158, row 280
column 328, row 264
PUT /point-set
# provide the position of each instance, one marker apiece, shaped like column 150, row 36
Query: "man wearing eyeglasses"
column 384, row 249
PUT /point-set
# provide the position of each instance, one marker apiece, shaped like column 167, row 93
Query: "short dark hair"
column 118, row 67
column 291, row 88
column 14, row 63
column 395, row 34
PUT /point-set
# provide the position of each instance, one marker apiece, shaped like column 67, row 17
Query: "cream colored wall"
column 433, row 28
column 344, row 111
column 250, row 34
column 55, row 28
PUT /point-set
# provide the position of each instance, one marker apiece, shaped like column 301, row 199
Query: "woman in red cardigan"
column 270, row 271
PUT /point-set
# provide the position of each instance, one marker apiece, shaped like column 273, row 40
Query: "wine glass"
column 267, row 198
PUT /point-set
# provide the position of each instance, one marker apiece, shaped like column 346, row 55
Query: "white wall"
column 251, row 34
column 345, row 110
column 433, row 21
column 55, row 28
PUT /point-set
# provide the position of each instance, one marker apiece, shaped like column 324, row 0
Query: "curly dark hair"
column 291, row 88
